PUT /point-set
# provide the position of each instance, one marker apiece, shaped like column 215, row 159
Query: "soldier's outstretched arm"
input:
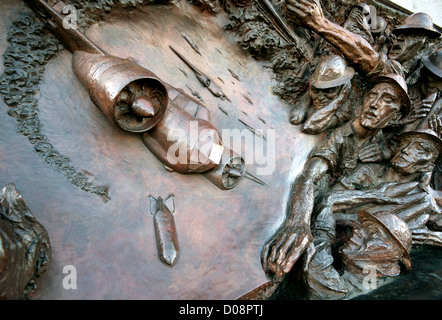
column 355, row 48
column 285, row 247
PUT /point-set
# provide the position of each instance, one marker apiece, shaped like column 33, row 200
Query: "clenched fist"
column 304, row 12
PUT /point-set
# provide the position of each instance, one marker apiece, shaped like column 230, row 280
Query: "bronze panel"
column 112, row 244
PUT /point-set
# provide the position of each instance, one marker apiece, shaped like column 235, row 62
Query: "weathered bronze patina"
column 330, row 109
column 25, row 249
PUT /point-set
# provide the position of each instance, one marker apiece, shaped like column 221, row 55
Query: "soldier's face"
column 406, row 46
column 431, row 83
column 369, row 238
column 322, row 97
column 370, row 245
column 382, row 103
column 414, row 155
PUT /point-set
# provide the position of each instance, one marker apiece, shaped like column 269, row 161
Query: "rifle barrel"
column 294, row 39
column 71, row 38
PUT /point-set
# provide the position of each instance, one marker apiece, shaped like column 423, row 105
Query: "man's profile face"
column 370, row 238
column 370, row 245
column 414, row 155
column 430, row 82
column 381, row 105
column 406, row 46
column 323, row 97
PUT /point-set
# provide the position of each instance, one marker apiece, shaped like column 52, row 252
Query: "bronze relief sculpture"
column 351, row 89
column 329, row 90
column 165, row 229
column 380, row 242
column 25, row 247
column 339, row 155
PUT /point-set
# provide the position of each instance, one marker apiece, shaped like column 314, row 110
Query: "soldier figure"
column 329, row 91
column 386, row 100
column 401, row 187
column 379, row 246
column 412, row 39
column 357, row 22
column 425, row 92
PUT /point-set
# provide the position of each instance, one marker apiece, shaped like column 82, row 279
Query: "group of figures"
column 371, row 188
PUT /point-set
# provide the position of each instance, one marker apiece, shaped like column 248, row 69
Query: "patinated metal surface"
column 165, row 228
column 24, row 245
column 351, row 158
column 96, row 123
column 112, row 244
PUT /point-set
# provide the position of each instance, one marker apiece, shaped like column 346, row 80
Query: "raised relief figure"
column 425, row 93
column 404, row 193
column 327, row 104
column 402, row 187
column 364, row 21
column 386, row 100
column 25, row 249
column 387, row 203
column 412, row 39
column 378, row 247
column 418, row 154
column 358, row 23
column 427, row 102
column 398, row 195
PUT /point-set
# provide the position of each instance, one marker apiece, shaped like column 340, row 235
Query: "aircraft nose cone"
column 143, row 107
column 234, row 173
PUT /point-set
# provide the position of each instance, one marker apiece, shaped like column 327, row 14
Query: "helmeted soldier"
column 415, row 30
column 418, row 152
column 328, row 104
column 379, row 246
column 425, row 93
column 430, row 81
column 354, row 142
column 412, row 40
